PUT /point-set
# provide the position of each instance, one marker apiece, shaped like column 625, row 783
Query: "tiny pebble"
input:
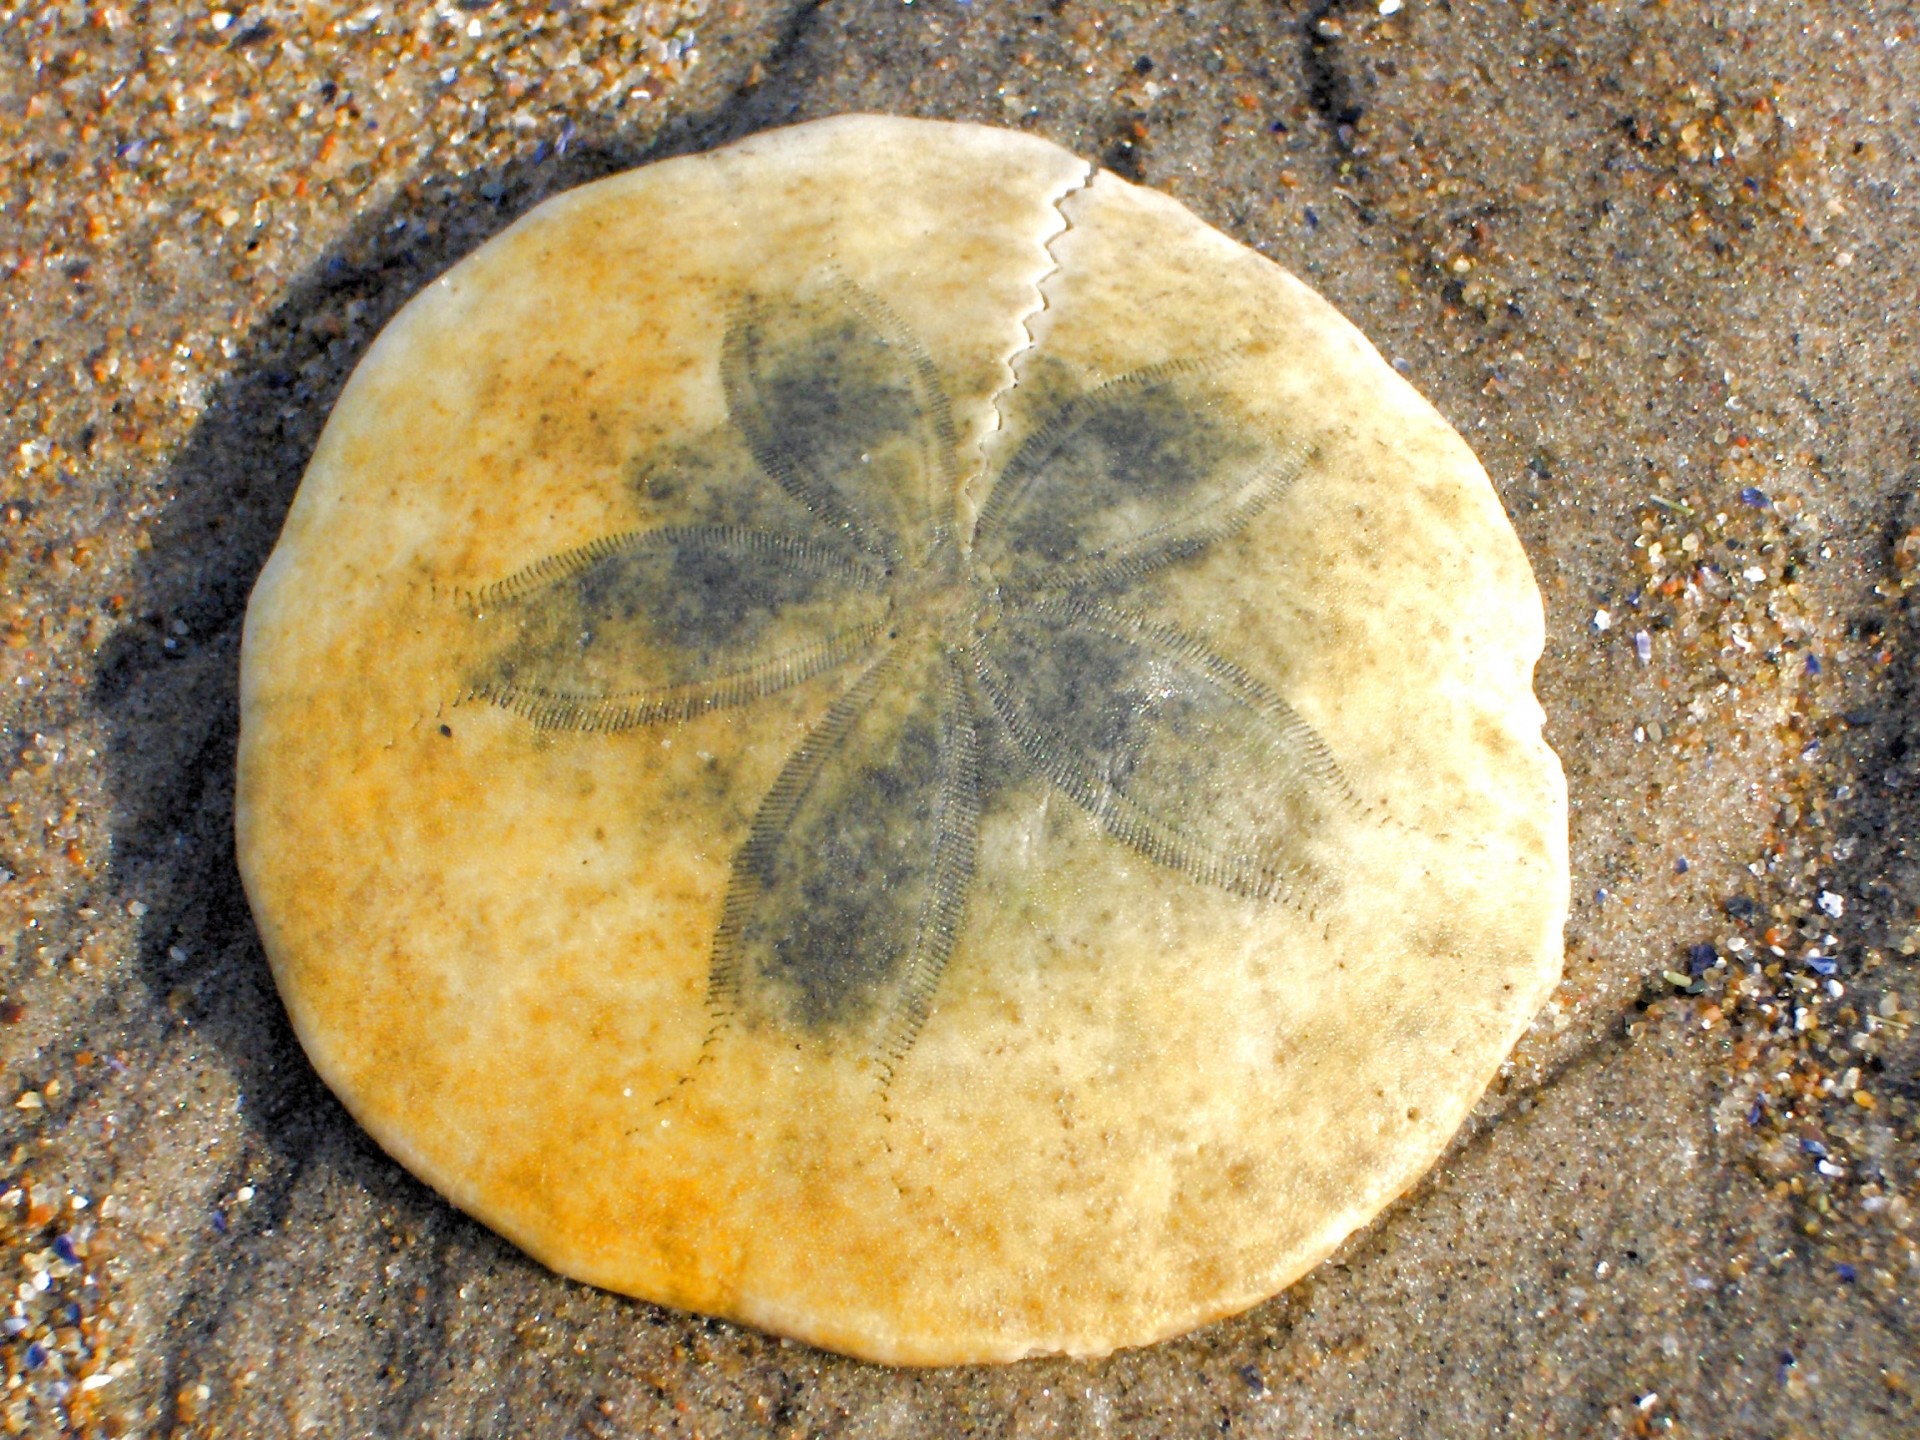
column 1755, row 497
column 1643, row 646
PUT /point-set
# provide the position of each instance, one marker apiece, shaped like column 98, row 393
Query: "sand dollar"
column 884, row 735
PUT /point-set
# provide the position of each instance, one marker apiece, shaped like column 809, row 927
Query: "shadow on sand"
column 166, row 687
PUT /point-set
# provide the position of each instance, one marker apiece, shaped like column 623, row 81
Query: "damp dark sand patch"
column 882, row 735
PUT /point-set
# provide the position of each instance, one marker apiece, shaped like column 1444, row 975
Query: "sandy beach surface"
column 1657, row 262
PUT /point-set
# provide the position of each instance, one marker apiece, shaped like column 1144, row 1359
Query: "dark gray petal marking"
column 1172, row 749
column 667, row 623
column 846, row 898
column 845, row 901
column 841, row 405
column 1140, row 472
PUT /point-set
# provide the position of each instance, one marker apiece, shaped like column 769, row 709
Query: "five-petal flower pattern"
column 851, row 887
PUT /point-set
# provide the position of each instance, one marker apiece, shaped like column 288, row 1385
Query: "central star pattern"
column 851, row 887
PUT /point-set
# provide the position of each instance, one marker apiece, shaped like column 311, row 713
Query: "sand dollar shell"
column 886, row 736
